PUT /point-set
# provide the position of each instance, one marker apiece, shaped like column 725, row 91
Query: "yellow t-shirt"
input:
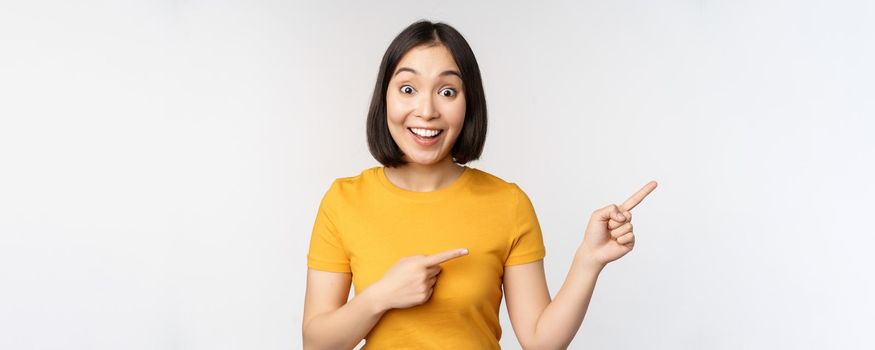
column 365, row 224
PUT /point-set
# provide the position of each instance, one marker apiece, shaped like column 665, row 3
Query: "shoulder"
column 351, row 185
column 483, row 179
column 353, row 180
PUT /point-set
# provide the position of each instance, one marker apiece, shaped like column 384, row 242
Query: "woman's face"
column 425, row 92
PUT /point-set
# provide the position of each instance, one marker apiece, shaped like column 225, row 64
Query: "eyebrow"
column 411, row 70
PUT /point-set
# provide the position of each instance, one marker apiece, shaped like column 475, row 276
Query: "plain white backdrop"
column 161, row 162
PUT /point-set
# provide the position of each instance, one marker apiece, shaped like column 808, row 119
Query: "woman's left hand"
column 609, row 235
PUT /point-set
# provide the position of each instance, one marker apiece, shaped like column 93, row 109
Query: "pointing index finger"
column 639, row 196
column 441, row 257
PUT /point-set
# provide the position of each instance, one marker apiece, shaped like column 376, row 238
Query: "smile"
column 426, row 132
column 426, row 140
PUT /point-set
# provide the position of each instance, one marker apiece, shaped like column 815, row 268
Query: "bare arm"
column 330, row 322
column 608, row 237
column 561, row 319
column 538, row 322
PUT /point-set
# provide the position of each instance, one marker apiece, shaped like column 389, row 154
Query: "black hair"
column 469, row 145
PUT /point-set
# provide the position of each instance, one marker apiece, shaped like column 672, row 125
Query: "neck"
column 424, row 177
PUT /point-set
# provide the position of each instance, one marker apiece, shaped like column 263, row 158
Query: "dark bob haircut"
column 469, row 144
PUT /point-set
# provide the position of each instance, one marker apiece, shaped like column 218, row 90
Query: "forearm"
column 560, row 320
column 345, row 327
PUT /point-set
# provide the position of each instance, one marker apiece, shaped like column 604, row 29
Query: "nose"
column 425, row 107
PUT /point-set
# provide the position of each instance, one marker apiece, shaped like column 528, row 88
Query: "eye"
column 452, row 92
column 407, row 89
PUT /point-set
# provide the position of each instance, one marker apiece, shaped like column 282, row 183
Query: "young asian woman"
column 428, row 241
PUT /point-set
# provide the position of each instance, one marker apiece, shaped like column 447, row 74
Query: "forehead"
column 427, row 60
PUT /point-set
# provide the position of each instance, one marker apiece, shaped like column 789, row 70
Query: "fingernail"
column 464, row 251
column 620, row 215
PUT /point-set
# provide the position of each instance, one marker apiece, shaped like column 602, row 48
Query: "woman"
column 429, row 242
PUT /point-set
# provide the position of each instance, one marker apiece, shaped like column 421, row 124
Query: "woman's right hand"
column 411, row 280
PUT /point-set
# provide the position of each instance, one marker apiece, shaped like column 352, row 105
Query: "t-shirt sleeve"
column 527, row 243
column 326, row 247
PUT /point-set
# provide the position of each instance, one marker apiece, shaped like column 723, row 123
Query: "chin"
column 422, row 162
column 413, row 161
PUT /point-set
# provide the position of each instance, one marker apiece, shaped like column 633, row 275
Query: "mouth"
column 426, row 140
column 439, row 132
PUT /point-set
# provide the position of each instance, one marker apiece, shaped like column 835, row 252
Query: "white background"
column 161, row 162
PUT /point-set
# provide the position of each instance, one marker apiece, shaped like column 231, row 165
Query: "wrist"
column 372, row 299
column 586, row 260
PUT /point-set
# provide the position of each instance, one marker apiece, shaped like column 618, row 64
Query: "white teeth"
column 424, row 132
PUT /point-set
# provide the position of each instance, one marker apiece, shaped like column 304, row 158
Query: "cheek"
column 454, row 114
column 394, row 113
column 396, row 110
